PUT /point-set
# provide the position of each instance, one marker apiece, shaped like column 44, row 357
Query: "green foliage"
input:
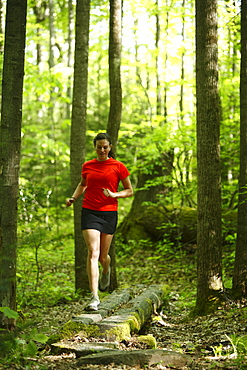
column 143, row 135
column 18, row 346
column 228, row 252
column 159, row 146
column 236, row 351
column 239, row 345
column 8, row 345
column 11, row 314
column 148, row 263
column 45, row 272
column 45, row 253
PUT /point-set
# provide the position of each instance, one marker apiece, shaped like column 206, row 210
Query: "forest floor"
column 215, row 341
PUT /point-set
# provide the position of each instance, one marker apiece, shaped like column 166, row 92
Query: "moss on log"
column 71, row 328
column 149, row 340
column 131, row 318
column 156, row 223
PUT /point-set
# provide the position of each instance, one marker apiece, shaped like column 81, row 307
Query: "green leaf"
column 41, row 338
column 10, row 314
column 31, row 349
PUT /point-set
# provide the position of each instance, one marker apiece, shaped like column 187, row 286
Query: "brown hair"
column 104, row 136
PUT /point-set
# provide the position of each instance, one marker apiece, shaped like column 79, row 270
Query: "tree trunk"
column 181, row 101
column 115, row 112
column 1, row 40
column 39, row 9
column 158, row 62
column 229, row 167
column 78, row 134
column 146, row 191
column 51, row 35
column 209, row 259
column 146, row 105
column 240, row 266
column 69, row 62
column 1, row 26
column 165, row 113
column 10, row 146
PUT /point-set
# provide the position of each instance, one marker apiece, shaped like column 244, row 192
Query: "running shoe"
column 93, row 304
column 105, row 280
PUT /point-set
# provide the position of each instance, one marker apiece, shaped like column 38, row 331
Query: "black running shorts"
column 104, row 221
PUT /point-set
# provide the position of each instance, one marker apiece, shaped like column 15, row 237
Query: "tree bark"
column 209, row 257
column 1, row 26
column 115, row 112
column 51, row 35
column 1, row 41
column 78, row 133
column 240, row 266
column 158, row 62
column 10, row 146
column 146, row 105
column 165, row 113
column 181, row 101
column 69, row 61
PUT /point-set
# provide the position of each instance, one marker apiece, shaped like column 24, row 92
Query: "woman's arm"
column 81, row 187
column 127, row 192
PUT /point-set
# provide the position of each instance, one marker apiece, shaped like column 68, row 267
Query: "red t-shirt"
column 102, row 174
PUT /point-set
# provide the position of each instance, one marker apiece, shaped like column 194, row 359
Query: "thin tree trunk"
column 51, row 34
column 1, row 27
column 10, row 146
column 158, row 62
column 231, row 111
column 148, row 105
column 115, row 113
column 39, row 9
column 69, row 62
column 165, row 113
column 209, row 257
column 78, row 134
column 1, row 41
column 181, row 101
column 240, row 266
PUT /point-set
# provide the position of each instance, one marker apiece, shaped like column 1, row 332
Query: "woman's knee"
column 93, row 254
column 104, row 258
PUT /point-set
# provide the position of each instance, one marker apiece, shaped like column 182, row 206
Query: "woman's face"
column 102, row 148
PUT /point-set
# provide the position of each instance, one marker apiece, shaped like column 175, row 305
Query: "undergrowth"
column 46, row 278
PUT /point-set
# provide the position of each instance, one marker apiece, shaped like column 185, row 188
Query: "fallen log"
column 129, row 318
column 175, row 224
column 133, row 315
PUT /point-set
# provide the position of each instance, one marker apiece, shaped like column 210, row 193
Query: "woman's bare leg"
column 104, row 258
column 92, row 240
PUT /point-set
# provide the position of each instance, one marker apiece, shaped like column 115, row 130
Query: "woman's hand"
column 69, row 201
column 109, row 193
